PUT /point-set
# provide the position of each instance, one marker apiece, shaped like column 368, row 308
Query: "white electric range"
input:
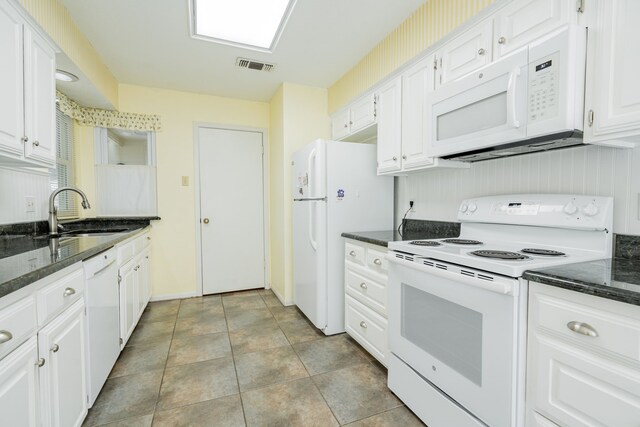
column 457, row 307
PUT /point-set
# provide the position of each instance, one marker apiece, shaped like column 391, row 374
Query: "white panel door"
column 389, row 126
column 231, row 209
column 11, row 83
column 612, row 91
column 363, row 113
column 340, row 124
column 19, row 386
column 417, row 81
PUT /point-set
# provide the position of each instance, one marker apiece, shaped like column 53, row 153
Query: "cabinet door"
column 145, row 277
column 416, row 83
column 466, row 53
column 389, row 126
column 128, row 300
column 363, row 113
column 39, row 96
column 612, row 91
column 11, row 83
column 63, row 377
column 522, row 21
column 19, row 386
column 340, row 124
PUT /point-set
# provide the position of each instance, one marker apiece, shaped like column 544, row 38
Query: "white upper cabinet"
column 340, row 124
column 417, row 81
column 27, row 84
column 11, row 75
column 522, row 21
column 363, row 113
column 389, row 108
column 355, row 122
column 466, row 53
column 612, row 100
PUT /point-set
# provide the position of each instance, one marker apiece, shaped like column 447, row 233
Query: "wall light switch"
column 185, row 181
column 30, row 204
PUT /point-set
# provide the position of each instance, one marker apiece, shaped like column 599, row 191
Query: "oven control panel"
column 547, row 210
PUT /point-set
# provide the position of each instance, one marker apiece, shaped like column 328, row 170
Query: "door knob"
column 206, row 220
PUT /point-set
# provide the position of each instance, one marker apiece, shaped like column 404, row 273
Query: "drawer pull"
column 40, row 362
column 55, row 348
column 5, row 336
column 363, row 324
column 377, row 261
column 363, row 285
column 352, row 253
column 68, row 292
column 582, row 328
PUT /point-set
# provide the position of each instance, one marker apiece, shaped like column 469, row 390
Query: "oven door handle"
column 497, row 287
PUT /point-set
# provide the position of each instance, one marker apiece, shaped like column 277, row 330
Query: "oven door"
column 484, row 109
column 459, row 333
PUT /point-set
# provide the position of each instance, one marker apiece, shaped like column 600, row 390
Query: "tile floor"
column 242, row 359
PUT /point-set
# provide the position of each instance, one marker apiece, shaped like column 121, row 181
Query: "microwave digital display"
column 543, row 65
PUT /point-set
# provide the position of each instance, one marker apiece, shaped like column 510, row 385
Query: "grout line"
column 235, row 367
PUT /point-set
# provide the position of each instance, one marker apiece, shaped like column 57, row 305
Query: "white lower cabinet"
column 583, row 362
column 62, row 377
column 366, row 297
column 19, row 386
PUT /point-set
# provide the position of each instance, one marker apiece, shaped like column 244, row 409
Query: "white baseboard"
column 165, row 297
column 282, row 299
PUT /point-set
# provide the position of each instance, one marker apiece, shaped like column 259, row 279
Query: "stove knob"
column 463, row 208
column 473, row 207
column 570, row 208
column 590, row 210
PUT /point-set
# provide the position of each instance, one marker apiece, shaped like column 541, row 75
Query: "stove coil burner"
column 511, row 256
column 425, row 243
column 545, row 252
column 462, row 241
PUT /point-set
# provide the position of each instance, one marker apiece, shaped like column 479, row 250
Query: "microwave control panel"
column 544, row 78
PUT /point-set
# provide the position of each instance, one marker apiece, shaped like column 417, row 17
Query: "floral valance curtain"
column 107, row 118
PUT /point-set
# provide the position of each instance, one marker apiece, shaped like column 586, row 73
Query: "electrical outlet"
column 29, row 204
column 411, row 206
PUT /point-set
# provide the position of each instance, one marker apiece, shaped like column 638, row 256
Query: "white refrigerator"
column 335, row 189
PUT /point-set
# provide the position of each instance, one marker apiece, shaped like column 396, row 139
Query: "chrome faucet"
column 53, row 211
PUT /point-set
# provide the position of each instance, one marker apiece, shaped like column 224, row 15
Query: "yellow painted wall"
column 299, row 115
column 54, row 18
column 424, row 27
column 174, row 238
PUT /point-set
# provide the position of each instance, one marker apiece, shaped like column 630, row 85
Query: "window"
column 62, row 175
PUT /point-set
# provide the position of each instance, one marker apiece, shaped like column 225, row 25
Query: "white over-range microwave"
column 531, row 100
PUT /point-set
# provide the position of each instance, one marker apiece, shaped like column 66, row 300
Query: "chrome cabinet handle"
column 377, row 261
column 36, row 143
column 404, row 157
column 148, row 237
column 68, row 292
column 502, row 40
column 55, row 348
column 40, row 362
column 582, row 328
column 352, row 253
column 481, row 51
column 5, row 336
column 363, row 285
column 346, row 125
column 395, row 158
column 363, row 324
column 25, row 139
column 206, row 220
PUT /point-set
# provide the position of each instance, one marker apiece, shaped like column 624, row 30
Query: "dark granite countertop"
column 26, row 258
column 413, row 230
column 614, row 278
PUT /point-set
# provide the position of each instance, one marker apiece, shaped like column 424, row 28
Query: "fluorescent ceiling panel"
column 253, row 24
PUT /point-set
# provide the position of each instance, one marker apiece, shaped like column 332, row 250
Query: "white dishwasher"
column 102, row 330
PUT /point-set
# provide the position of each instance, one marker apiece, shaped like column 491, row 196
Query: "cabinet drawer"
column 575, row 388
column 17, row 323
column 354, row 253
column 60, row 294
column 376, row 261
column 615, row 333
column 372, row 293
column 141, row 242
column 368, row 328
column 126, row 252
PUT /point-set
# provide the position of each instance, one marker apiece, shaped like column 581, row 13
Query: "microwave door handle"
column 311, row 227
column 512, row 116
column 310, row 175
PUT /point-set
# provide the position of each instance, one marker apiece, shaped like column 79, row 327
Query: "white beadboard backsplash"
column 593, row 170
column 15, row 186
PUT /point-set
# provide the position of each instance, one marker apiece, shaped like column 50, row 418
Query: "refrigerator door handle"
column 312, row 220
column 311, row 175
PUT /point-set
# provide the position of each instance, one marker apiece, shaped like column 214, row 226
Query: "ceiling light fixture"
column 65, row 76
column 249, row 24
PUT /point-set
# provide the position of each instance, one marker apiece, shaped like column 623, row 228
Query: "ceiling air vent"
column 254, row 65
